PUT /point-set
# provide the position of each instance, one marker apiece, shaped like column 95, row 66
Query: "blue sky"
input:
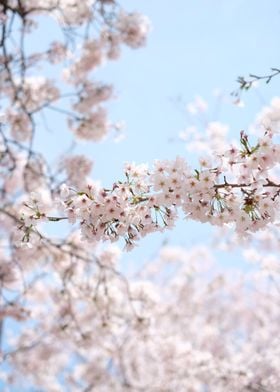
column 194, row 47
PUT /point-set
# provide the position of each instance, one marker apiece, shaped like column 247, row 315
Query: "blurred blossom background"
column 175, row 92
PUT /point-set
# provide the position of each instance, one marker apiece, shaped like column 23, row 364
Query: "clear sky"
column 194, row 48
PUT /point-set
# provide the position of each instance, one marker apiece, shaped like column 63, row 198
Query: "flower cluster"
column 190, row 330
column 105, row 27
column 238, row 191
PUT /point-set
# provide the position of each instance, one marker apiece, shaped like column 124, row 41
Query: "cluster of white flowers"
column 94, row 126
column 238, row 190
column 29, row 94
column 192, row 330
column 20, row 125
column 67, row 12
column 77, row 168
column 133, row 28
column 269, row 117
